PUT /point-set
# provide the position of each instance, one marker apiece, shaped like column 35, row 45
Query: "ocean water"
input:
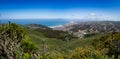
column 47, row 22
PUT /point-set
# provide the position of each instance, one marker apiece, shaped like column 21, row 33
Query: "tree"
column 10, row 37
column 110, row 42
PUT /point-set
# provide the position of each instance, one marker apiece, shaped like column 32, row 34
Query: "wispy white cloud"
column 70, row 14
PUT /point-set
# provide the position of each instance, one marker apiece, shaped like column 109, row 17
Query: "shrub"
column 85, row 53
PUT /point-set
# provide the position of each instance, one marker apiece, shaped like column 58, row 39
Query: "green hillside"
column 53, row 44
column 21, row 42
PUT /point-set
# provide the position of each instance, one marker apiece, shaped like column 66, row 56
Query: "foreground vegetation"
column 17, row 42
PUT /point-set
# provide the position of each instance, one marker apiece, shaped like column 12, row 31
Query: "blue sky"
column 70, row 9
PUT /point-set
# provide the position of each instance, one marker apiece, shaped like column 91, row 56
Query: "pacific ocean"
column 47, row 22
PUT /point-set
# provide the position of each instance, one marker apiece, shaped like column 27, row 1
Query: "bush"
column 28, row 46
column 85, row 53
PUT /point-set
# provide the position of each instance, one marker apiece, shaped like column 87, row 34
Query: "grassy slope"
column 53, row 44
